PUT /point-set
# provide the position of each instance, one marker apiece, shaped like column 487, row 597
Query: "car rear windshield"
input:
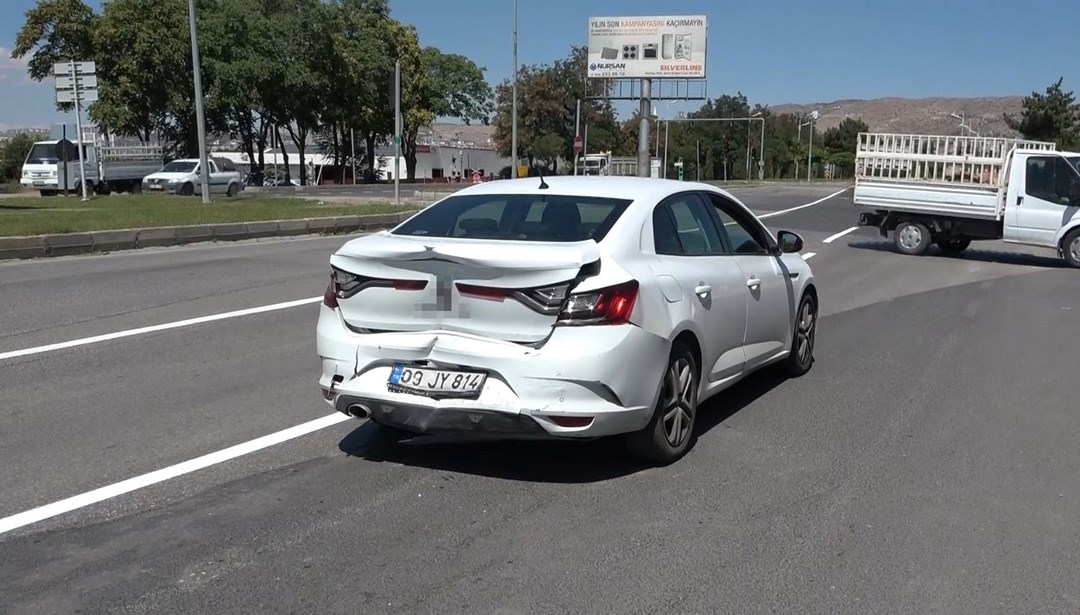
column 517, row 217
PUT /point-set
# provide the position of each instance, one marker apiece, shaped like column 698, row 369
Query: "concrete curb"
column 65, row 244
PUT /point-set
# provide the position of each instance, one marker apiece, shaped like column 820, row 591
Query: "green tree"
column 842, row 142
column 55, row 31
column 1051, row 116
column 547, row 150
column 547, row 104
column 13, row 153
column 139, row 55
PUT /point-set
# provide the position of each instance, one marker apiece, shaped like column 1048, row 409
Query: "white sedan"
column 567, row 307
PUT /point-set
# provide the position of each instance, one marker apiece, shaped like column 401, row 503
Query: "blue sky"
column 774, row 51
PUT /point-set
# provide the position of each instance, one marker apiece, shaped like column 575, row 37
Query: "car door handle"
column 1019, row 200
column 753, row 282
column 702, row 290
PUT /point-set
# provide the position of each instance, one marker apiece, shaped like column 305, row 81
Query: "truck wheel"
column 953, row 247
column 912, row 238
column 1071, row 248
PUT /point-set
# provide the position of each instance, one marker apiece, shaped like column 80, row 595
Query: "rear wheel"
column 801, row 358
column 1071, row 248
column 233, row 189
column 667, row 436
column 912, row 238
column 953, row 246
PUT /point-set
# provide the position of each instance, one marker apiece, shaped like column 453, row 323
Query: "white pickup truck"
column 52, row 167
column 950, row 191
column 184, row 176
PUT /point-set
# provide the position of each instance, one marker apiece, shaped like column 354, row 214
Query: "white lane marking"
column 48, row 511
column 11, row 354
column 809, row 255
column 833, row 238
column 817, row 202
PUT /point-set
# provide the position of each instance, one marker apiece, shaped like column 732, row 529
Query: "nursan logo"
column 607, row 66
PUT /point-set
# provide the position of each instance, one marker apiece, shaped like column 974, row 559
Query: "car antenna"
column 543, row 184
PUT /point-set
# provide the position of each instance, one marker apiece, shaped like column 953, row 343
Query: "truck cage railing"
column 131, row 152
column 957, row 160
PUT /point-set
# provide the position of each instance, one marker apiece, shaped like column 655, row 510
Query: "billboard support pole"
column 643, row 129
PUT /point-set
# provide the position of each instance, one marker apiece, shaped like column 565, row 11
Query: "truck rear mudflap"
column 875, row 219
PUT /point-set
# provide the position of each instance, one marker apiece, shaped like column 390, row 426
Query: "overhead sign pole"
column 76, row 82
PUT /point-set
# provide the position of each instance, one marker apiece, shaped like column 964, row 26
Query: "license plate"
column 156, row 187
column 435, row 382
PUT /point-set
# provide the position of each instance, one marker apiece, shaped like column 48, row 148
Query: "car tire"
column 912, row 238
column 1070, row 248
column 232, row 191
column 187, row 189
column 953, row 247
column 670, row 431
column 803, row 335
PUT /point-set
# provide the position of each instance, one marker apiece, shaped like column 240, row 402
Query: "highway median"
column 43, row 227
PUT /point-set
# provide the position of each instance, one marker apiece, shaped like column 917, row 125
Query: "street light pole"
column 514, row 111
column 200, row 118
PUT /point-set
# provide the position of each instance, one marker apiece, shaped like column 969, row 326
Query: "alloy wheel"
column 680, row 402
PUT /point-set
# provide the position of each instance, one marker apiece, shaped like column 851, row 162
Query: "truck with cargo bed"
column 52, row 167
column 952, row 190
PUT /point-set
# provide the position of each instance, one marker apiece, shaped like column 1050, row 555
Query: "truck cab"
column 1043, row 199
column 53, row 166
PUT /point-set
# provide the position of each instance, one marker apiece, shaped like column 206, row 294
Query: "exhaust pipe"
column 358, row 411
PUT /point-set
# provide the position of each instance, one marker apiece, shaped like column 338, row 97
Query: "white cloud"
column 7, row 63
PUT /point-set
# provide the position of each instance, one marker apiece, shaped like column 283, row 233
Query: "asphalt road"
column 928, row 463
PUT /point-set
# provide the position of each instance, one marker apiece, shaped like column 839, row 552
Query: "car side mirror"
column 789, row 242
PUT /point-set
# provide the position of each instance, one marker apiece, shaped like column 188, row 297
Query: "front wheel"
column 187, row 189
column 801, row 357
column 912, row 238
column 667, row 436
column 1071, row 248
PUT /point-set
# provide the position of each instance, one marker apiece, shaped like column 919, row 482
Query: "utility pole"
column 200, row 118
column 514, row 111
column 352, row 143
column 577, row 133
column 397, row 131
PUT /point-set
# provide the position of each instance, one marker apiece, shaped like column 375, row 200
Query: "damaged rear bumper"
column 610, row 374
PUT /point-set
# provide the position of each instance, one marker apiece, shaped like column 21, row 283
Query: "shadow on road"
column 541, row 461
column 971, row 254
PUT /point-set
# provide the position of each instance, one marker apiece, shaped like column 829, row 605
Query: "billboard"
column 638, row 47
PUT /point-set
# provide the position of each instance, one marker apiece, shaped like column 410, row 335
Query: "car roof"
column 619, row 187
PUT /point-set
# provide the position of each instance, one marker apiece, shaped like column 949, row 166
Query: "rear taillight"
column 544, row 299
column 329, row 297
column 606, row 306
column 344, row 285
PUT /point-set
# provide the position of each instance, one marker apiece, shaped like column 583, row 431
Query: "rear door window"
column 517, row 217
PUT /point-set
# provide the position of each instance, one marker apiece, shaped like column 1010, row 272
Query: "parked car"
column 566, row 307
column 183, row 176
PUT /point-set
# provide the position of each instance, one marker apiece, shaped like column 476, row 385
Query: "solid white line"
column 809, row 255
column 817, row 202
column 48, row 511
column 840, row 234
column 11, row 354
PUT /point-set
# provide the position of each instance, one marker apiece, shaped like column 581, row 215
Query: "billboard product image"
column 640, row 47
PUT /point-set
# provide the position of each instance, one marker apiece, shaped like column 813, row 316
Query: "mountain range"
column 902, row 115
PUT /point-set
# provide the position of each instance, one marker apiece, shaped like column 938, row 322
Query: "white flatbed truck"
column 950, row 191
column 52, row 167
